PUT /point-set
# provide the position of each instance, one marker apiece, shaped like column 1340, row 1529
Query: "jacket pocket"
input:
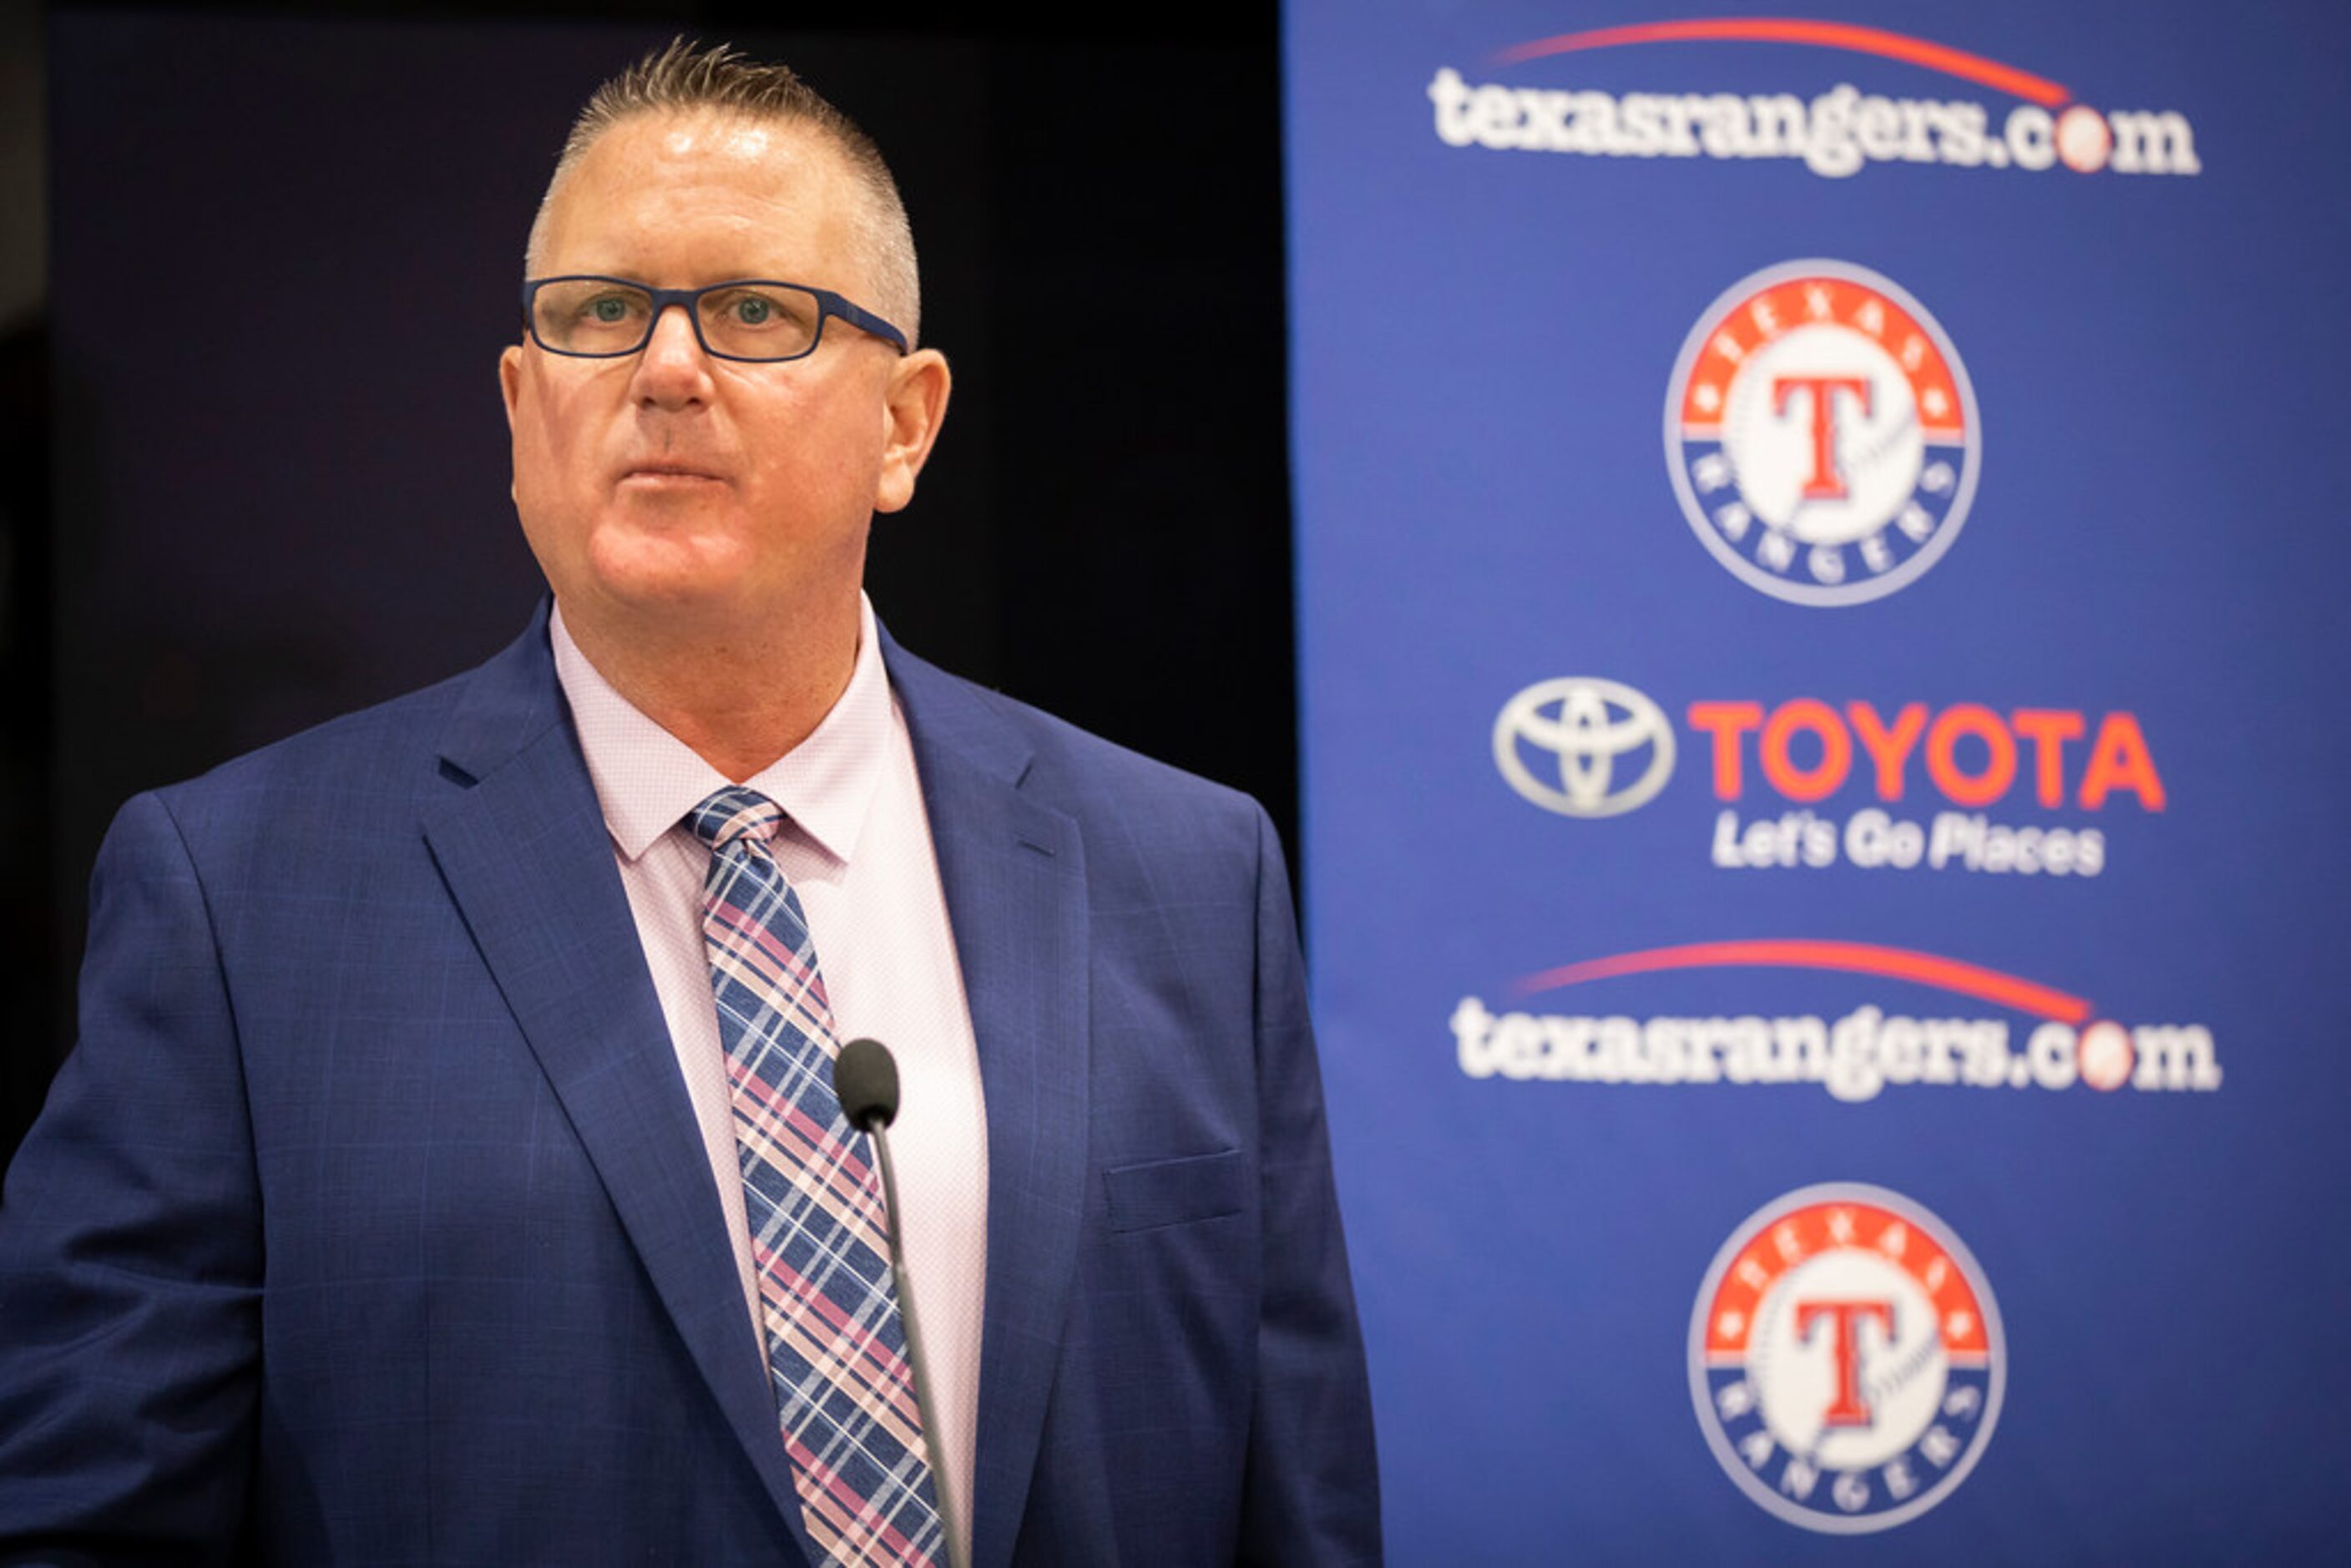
column 1174, row 1192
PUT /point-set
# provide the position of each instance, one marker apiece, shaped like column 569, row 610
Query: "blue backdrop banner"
column 1818, row 599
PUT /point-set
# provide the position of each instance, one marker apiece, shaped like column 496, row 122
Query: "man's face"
column 670, row 481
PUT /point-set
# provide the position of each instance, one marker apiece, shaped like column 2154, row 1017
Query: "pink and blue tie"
column 819, row 1238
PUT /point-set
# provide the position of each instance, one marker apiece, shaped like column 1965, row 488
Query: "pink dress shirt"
column 856, row 847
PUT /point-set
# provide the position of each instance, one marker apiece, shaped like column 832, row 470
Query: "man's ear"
column 510, row 388
column 510, row 380
column 912, row 409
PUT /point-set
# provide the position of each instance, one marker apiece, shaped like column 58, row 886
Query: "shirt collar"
column 646, row 779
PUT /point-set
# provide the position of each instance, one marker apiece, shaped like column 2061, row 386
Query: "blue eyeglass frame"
column 828, row 306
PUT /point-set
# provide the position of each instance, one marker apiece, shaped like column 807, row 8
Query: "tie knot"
column 734, row 815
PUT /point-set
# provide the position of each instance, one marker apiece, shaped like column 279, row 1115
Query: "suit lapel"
column 520, row 841
column 1014, row 875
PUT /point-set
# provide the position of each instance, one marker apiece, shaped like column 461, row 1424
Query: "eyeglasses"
column 747, row 318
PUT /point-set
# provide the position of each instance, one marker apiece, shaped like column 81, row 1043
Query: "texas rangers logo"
column 1822, row 433
column 1846, row 1359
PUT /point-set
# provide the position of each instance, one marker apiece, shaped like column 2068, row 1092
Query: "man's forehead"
column 704, row 171
column 751, row 143
column 666, row 147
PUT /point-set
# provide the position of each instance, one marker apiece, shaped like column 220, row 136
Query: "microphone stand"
column 942, row 1473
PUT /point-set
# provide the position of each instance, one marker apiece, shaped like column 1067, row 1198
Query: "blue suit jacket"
column 369, row 1223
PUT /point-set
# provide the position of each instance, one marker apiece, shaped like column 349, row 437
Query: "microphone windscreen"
column 866, row 1081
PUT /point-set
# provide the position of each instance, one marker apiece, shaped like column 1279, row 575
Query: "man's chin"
column 650, row 600
column 658, row 570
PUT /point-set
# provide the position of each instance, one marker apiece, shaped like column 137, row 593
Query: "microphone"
column 865, row 1082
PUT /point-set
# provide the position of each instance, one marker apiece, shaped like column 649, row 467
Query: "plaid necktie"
column 819, row 1238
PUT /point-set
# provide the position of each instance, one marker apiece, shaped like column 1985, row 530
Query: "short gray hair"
column 685, row 77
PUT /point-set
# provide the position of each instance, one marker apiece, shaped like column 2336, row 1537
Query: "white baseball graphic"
column 1872, row 424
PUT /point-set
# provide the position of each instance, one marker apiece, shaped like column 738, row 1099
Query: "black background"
column 229, row 516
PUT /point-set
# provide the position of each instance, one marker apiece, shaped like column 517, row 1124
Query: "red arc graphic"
column 1792, row 30
column 1851, row 958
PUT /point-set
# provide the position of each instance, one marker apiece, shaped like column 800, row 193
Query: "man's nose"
column 671, row 370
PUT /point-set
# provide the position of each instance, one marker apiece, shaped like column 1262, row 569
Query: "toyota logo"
column 1566, row 743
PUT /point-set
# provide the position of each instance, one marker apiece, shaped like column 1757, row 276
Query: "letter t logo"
column 1826, row 485
column 1848, row 1408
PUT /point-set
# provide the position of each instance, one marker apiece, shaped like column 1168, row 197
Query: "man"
column 448, row 1170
